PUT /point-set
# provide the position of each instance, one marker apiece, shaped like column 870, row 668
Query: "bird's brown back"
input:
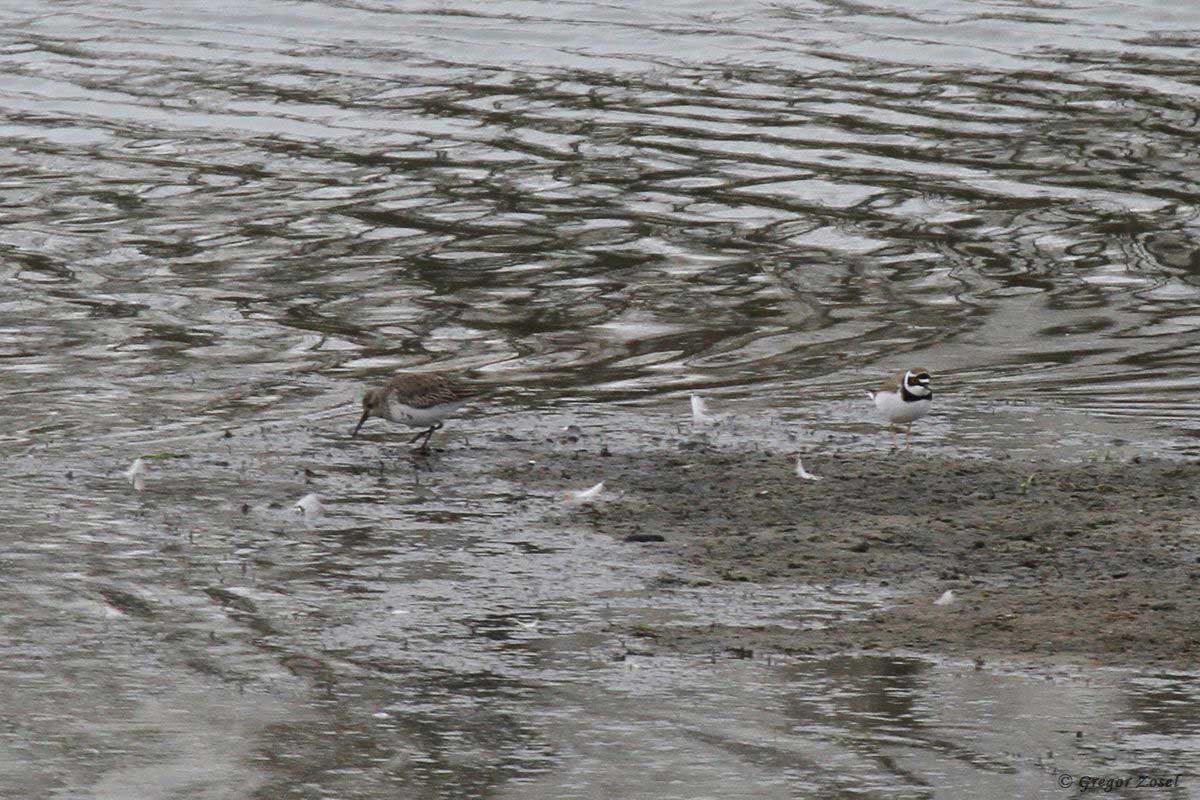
column 428, row 389
column 892, row 384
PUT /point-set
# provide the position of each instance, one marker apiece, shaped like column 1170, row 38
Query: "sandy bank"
column 1094, row 561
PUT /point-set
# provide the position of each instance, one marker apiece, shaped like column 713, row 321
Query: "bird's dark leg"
column 428, row 434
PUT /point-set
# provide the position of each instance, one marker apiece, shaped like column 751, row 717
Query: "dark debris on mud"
column 1096, row 561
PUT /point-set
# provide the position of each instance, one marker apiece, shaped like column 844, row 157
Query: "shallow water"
column 226, row 217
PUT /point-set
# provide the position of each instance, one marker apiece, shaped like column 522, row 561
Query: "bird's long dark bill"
column 361, row 420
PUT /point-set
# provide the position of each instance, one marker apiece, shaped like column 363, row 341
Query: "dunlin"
column 418, row 400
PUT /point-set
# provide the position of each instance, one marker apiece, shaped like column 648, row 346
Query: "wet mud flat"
column 1095, row 562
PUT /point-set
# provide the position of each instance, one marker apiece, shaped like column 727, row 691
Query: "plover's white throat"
column 904, row 399
column 418, row 400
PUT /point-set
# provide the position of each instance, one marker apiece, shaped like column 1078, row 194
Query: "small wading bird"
column 418, row 400
column 904, row 399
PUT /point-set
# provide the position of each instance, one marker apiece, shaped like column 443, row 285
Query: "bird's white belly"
column 422, row 417
column 896, row 411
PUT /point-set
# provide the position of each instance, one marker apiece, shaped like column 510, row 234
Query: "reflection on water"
column 550, row 190
column 853, row 726
column 219, row 218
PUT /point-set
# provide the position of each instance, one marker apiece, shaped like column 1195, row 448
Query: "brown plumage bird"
column 418, row 400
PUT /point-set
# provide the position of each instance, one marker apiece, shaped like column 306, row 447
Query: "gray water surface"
column 218, row 220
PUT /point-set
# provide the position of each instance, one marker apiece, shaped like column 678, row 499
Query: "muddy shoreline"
column 1094, row 562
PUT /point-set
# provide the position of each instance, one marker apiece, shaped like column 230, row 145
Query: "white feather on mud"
column 310, row 506
column 136, row 474
column 588, row 495
column 801, row 472
column 946, row 599
column 700, row 415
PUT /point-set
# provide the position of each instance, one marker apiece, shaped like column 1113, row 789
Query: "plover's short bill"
column 903, row 400
column 418, row 400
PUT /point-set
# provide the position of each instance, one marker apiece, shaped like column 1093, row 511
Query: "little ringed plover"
column 904, row 399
